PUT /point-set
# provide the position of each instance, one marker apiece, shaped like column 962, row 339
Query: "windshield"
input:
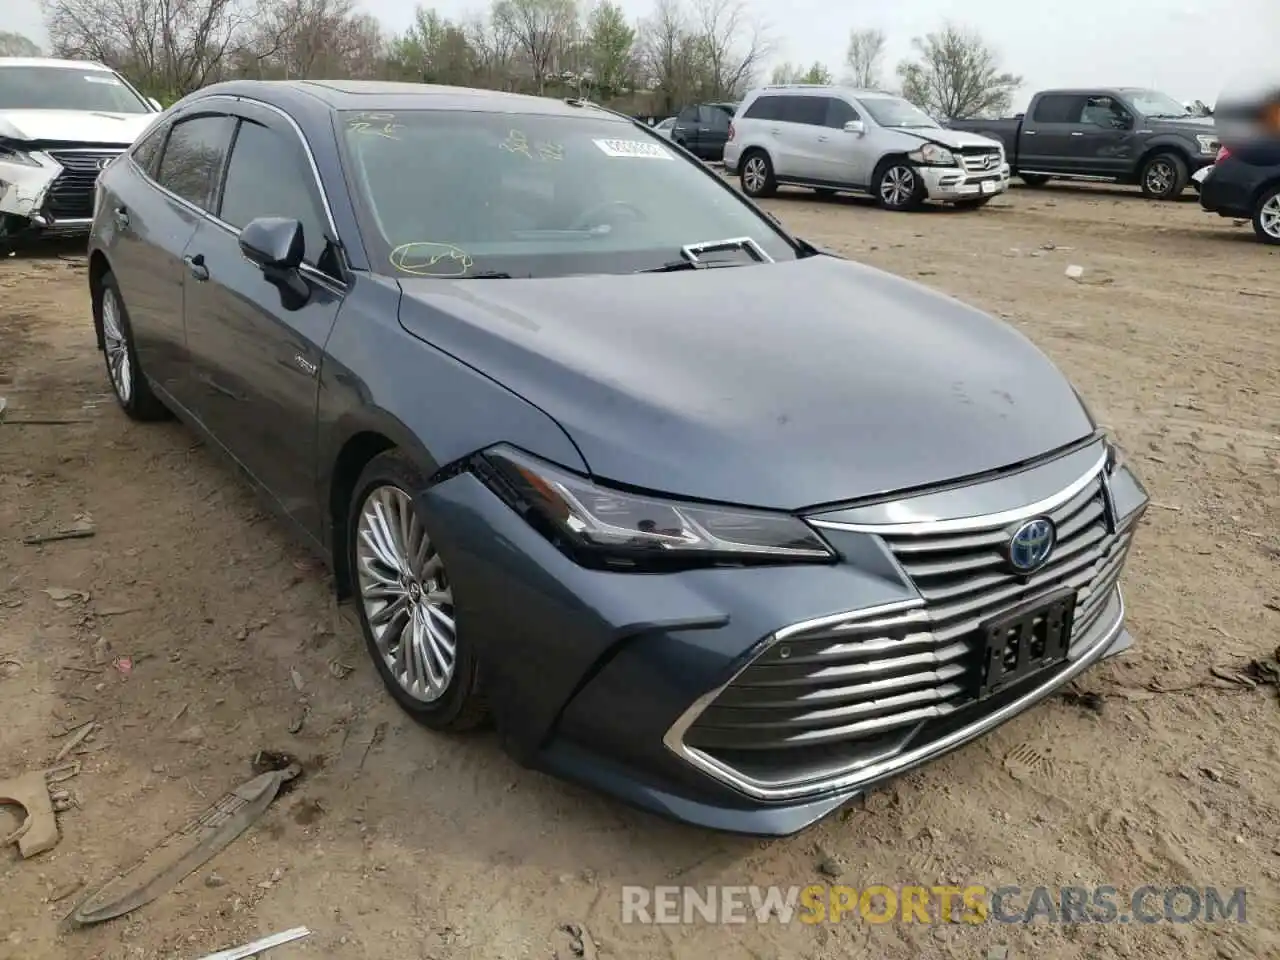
column 896, row 112
column 464, row 194
column 1153, row 103
column 66, row 88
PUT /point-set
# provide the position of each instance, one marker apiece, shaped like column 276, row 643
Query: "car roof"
column 391, row 95
column 818, row 89
column 52, row 62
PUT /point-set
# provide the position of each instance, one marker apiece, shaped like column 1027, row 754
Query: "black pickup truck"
column 1120, row 134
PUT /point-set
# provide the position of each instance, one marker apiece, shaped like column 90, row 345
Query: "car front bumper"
column 956, row 183
column 647, row 686
column 53, row 194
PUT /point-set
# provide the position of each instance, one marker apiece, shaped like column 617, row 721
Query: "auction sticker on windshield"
column 632, row 148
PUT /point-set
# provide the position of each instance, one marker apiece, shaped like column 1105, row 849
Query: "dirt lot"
column 401, row 845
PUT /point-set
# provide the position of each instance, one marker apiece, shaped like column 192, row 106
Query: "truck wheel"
column 897, row 185
column 1164, row 176
column 757, row 175
column 1033, row 179
column 1266, row 216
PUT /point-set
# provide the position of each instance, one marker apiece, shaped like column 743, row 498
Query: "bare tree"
column 17, row 45
column 539, row 29
column 669, row 54
column 168, row 47
column 493, row 50
column 732, row 43
column 956, row 75
column 863, row 58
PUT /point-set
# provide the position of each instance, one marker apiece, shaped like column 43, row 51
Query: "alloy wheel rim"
column 1269, row 217
column 406, row 594
column 754, row 174
column 1159, row 177
column 116, row 347
column 898, row 185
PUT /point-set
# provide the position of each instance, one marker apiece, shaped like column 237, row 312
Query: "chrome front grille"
column 825, row 699
column 70, row 196
column 981, row 161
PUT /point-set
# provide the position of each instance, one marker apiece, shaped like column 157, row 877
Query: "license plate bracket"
column 987, row 186
column 1026, row 640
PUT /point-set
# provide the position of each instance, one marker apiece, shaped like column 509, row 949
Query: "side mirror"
column 155, row 104
column 856, row 127
column 274, row 243
column 1124, row 123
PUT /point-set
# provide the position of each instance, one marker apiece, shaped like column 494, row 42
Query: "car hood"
column 951, row 138
column 786, row 385
column 74, row 126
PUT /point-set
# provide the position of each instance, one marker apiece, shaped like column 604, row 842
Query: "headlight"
column 603, row 527
column 933, row 155
column 12, row 155
column 1208, row 144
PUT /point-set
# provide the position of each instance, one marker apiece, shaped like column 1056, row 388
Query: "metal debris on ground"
column 185, row 851
column 259, row 946
column 38, row 832
column 80, row 532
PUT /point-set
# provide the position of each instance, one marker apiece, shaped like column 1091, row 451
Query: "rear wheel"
column 404, row 597
column 131, row 388
column 757, row 175
column 1164, row 176
column 1033, row 179
column 898, row 186
column 1266, row 216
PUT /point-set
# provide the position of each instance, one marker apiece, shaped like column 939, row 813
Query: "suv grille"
column 70, row 196
column 841, row 696
column 980, row 160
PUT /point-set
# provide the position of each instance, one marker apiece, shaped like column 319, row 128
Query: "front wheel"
column 405, row 599
column 131, row 388
column 1164, row 176
column 1266, row 216
column 898, row 186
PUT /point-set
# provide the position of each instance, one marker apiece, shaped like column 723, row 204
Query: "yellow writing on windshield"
column 517, row 142
column 375, row 124
column 428, row 258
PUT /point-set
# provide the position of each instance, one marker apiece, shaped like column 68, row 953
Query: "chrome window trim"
column 967, row 524
column 315, row 273
column 876, row 770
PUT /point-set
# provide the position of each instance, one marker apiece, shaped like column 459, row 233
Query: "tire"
column 897, row 186
column 974, row 203
column 386, row 576
column 757, row 175
column 128, row 382
column 1033, row 179
column 1164, row 177
column 1266, row 216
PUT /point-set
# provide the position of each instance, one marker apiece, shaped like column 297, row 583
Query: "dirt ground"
column 402, row 845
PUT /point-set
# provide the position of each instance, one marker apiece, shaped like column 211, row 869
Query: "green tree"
column 610, row 46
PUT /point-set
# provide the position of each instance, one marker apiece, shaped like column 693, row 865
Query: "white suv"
column 839, row 139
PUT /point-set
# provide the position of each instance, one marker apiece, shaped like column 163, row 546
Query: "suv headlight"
column 932, row 155
column 603, row 527
column 1209, row 144
column 10, row 154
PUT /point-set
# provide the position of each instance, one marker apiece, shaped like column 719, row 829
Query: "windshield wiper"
column 693, row 254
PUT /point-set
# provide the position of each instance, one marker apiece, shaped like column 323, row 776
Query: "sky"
column 1190, row 49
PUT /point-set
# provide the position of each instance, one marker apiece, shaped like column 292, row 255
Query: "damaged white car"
column 61, row 122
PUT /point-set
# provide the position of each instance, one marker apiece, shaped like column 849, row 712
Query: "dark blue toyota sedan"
column 696, row 513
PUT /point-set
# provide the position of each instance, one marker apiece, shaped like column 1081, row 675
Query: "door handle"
column 775, row 131
column 703, row 129
column 122, row 217
column 823, row 139
column 196, row 266
column 1028, row 133
column 1077, row 133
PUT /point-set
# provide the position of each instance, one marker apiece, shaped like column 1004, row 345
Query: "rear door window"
column 765, row 108
column 1058, row 108
column 807, row 110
